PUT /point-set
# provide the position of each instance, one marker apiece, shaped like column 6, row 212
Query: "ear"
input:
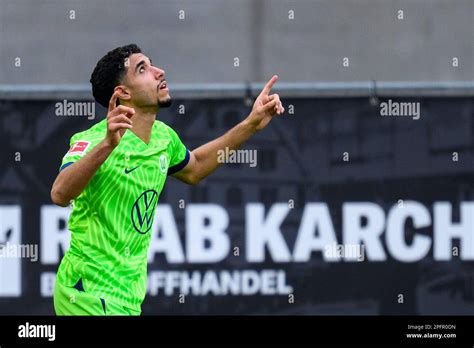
column 123, row 93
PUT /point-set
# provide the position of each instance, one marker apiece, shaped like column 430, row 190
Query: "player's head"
column 129, row 71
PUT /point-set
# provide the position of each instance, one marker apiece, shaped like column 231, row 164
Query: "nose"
column 159, row 73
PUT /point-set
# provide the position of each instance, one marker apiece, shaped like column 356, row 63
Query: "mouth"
column 163, row 85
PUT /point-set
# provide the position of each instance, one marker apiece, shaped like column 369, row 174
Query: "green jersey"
column 111, row 219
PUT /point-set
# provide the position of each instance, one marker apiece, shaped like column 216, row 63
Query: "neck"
column 143, row 120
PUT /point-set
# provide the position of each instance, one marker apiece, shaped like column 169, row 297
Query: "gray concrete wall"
column 201, row 48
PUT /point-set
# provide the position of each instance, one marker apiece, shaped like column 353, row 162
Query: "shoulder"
column 164, row 130
column 93, row 133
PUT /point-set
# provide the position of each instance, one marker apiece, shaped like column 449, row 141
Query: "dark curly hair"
column 109, row 72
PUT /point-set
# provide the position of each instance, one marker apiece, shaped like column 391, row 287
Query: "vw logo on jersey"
column 163, row 163
column 143, row 211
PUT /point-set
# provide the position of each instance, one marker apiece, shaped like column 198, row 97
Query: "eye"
column 142, row 69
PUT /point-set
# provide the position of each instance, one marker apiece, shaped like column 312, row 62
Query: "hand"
column 266, row 106
column 118, row 121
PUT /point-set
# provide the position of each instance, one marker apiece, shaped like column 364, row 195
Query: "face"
column 145, row 83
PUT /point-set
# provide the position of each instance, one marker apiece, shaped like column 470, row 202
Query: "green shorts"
column 72, row 301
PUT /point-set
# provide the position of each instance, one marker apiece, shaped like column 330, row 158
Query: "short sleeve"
column 178, row 153
column 80, row 145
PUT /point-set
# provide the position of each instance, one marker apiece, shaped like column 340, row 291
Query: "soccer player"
column 114, row 173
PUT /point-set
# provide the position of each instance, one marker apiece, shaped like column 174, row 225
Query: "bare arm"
column 72, row 180
column 204, row 160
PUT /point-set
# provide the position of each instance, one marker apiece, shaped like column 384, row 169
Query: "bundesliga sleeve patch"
column 78, row 148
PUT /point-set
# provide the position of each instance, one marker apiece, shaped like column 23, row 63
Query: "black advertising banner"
column 340, row 207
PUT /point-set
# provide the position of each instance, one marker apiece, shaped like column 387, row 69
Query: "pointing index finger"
column 113, row 101
column 269, row 85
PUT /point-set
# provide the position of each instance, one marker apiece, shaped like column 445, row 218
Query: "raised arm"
column 204, row 160
column 72, row 180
